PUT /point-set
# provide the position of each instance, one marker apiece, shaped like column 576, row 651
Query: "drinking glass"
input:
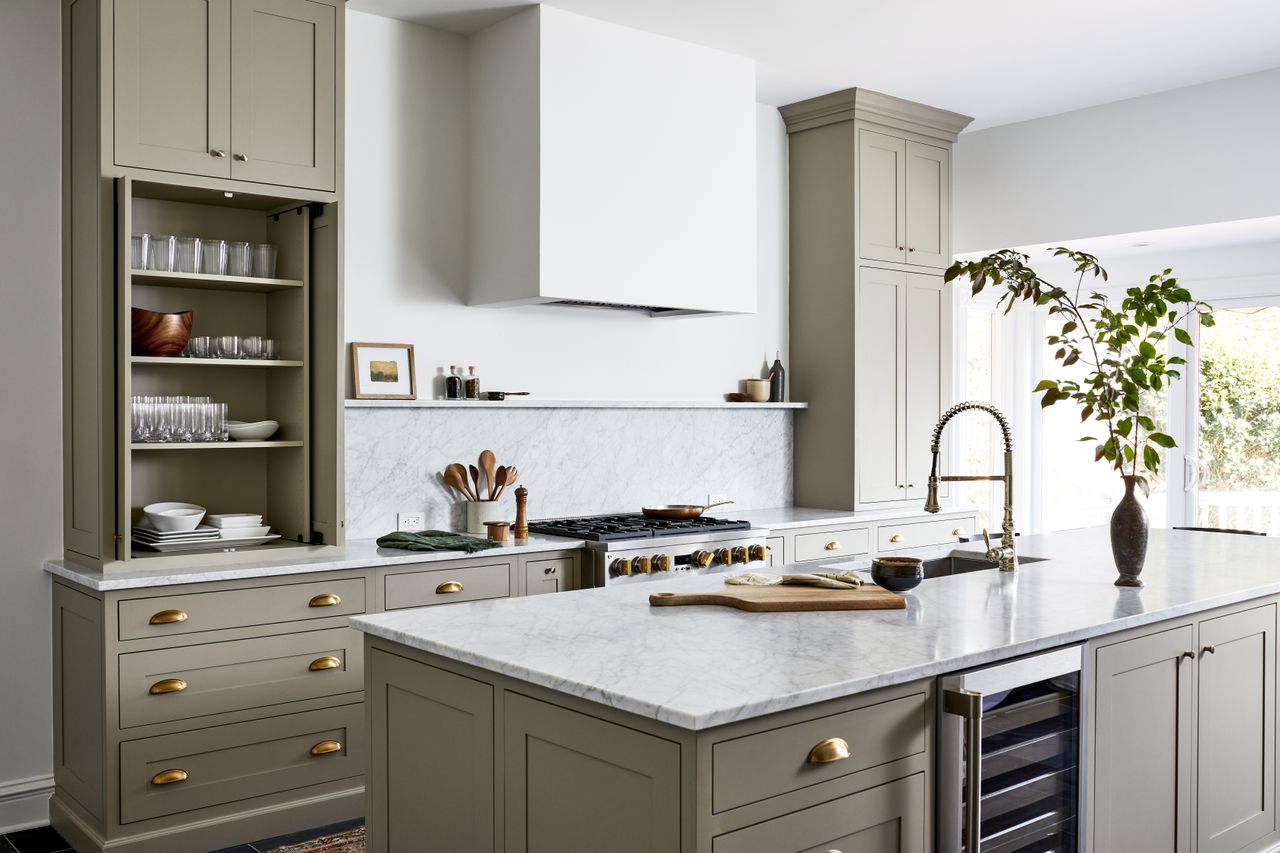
column 213, row 256
column 270, row 349
column 160, row 252
column 139, row 243
column 186, row 254
column 219, row 425
column 200, row 346
column 239, row 259
column 264, row 260
column 228, row 346
column 251, row 347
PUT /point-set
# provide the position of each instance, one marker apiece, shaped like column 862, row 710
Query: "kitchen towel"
column 435, row 540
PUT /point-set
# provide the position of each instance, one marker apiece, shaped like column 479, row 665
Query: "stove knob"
column 724, row 556
column 740, row 554
column 620, row 566
column 641, row 565
column 757, row 553
column 702, row 559
column 661, row 562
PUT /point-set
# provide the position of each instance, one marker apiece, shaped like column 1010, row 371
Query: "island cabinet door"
column 1141, row 747
column 1236, row 724
column 627, row 783
column 431, row 774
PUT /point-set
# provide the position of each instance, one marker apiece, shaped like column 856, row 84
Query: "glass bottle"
column 453, row 384
column 473, row 383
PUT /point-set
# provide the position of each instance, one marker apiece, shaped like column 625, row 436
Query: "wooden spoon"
column 475, row 475
column 455, row 476
column 500, row 479
column 513, row 474
column 489, row 464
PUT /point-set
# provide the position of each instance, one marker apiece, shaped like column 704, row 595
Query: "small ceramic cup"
column 758, row 390
column 480, row 513
column 897, row 574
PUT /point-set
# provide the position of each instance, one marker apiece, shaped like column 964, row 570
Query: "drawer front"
column 236, row 762
column 830, row 544
column 541, row 576
column 889, row 817
column 191, row 613
column 921, row 534
column 193, row 681
column 758, row 766
column 445, row 586
column 777, row 547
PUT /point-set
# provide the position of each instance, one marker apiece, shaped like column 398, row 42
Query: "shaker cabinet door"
column 283, row 92
column 879, row 375
column 881, row 197
column 928, row 374
column 172, row 85
column 928, row 200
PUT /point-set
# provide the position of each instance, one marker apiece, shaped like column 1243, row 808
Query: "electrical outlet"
column 410, row 522
column 715, row 499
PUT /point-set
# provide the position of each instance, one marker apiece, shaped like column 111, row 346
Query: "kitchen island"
column 591, row 721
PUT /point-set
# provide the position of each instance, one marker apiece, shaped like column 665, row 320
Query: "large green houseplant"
column 1125, row 355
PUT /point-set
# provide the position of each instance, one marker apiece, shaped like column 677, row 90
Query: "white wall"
column 406, row 239
column 1183, row 157
column 31, row 386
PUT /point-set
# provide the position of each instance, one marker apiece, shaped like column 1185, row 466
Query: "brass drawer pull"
column 1208, row 650
column 829, row 750
column 959, row 531
column 832, row 546
column 327, row 599
column 326, row 662
column 168, row 617
column 168, row 685
column 897, row 537
column 168, row 777
column 448, row 587
column 325, row 747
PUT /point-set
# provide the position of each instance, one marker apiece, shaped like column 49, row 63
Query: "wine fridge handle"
column 967, row 704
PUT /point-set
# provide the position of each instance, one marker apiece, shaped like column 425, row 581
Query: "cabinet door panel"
column 928, row 203
column 1236, row 730
column 879, row 406
column 928, row 384
column 881, row 190
column 172, row 85
column 283, row 92
column 1142, row 743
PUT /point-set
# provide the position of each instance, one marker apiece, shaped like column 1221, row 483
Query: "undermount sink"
column 963, row 562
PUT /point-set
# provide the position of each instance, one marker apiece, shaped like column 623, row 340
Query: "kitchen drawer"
column 920, row 534
column 445, row 586
column 219, row 677
column 831, row 544
column 190, row 613
column 886, row 817
column 542, row 576
column 238, row 762
column 758, row 766
column 777, row 547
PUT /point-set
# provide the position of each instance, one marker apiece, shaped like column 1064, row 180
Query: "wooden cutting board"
column 768, row 599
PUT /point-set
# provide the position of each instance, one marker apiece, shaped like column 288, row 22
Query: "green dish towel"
column 435, row 540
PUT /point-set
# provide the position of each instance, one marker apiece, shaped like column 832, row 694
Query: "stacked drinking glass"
column 178, row 419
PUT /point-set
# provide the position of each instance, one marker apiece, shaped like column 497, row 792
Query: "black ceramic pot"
column 897, row 574
column 1129, row 529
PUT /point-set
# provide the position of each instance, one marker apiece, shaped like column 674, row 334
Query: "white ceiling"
column 1000, row 61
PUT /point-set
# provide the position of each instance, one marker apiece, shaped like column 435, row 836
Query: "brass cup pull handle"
column 829, row 750
column 897, row 537
column 1208, row 650
column 327, row 599
column 448, row 587
column 325, row 747
column 168, row 685
column 167, row 617
column 326, row 662
column 833, row 545
column 168, row 777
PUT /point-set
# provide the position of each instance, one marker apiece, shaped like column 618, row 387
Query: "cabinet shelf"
column 178, row 361
column 212, row 445
column 201, row 281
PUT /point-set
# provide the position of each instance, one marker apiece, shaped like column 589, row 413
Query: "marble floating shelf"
column 529, row 403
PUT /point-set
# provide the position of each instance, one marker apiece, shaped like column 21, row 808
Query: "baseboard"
column 24, row 803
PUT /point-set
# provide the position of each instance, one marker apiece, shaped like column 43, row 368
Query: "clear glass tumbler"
column 160, row 253
column 239, row 259
column 139, row 243
column 200, row 346
column 251, row 346
column 213, row 257
column 270, row 349
column 228, row 346
column 186, row 254
column 264, row 260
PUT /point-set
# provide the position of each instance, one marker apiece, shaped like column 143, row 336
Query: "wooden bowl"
column 156, row 333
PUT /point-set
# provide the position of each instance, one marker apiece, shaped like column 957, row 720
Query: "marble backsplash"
column 572, row 461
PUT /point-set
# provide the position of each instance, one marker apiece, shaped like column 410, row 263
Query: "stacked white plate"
column 242, row 528
column 218, row 531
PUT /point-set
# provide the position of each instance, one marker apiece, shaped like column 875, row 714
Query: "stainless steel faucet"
column 1005, row 553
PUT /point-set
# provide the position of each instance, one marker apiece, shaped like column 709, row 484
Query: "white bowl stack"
column 238, row 525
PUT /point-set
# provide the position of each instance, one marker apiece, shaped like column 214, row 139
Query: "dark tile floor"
column 43, row 839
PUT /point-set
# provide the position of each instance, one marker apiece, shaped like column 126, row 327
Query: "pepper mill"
column 522, row 523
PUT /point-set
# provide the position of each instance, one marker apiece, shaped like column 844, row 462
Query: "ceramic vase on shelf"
column 480, row 513
column 1129, row 530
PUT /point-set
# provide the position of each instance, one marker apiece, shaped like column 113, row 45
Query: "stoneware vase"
column 1129, row 536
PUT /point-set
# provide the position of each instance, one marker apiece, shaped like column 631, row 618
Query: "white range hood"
column 610, row 167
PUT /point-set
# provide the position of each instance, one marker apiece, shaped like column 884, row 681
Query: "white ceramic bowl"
column 172, row 516
column 256, row 431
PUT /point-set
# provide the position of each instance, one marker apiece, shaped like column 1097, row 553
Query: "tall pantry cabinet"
column 870, row 185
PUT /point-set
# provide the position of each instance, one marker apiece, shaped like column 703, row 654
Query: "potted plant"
column 1123, row 351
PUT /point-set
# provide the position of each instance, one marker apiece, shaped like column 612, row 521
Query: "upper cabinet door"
column 172, row 85
column 928, row 382
column 928, row 198
column 283, row 92
column 881, row 197
column 879, row 374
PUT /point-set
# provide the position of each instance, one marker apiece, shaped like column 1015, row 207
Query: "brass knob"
column 641, row 565
column 959, row 531
column 1208, row 650
column 620, row 566
column 724, row 556
column 897, row 537
column 326, row 662
column 168, row 617
column 548, row 570
column 243, row 158
column 833, row 545
column 702, row 559
column 448, row 587
column 910, row 249
column 1188, row 654
column 168, row 685
column 900, row 248
column 829, row 750
column 217, row 152
column 741, row 555
column 661, row 562
column 911, row 485
column 325, row 747
column 327, row 599
column 168, row 777
column 757, row 553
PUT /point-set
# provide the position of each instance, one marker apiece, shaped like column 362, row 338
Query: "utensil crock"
column 480, row 513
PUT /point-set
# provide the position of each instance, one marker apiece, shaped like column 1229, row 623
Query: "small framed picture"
column 383, row 372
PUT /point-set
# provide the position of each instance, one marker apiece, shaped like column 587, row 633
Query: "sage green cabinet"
column 904, row 200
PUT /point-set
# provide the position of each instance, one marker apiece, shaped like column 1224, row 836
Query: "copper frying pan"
column 678, row 511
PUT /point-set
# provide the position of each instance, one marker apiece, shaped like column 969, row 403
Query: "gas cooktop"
column 609, row 528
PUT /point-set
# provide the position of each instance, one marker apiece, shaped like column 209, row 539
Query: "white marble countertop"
column 698, row 667
column 803, row 516
column 538, row 403
column 357, row 554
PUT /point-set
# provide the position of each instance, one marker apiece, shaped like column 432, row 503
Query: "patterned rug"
column 351, row 841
